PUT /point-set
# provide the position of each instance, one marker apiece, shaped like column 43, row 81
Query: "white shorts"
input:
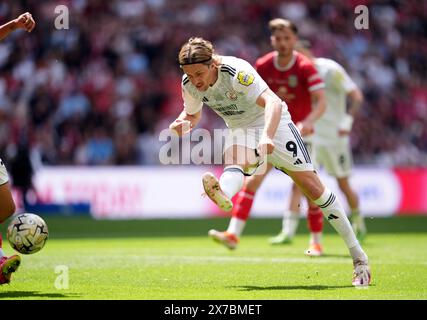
column 290, row 153
column 309, row 144
column 335, row 158
column 3, row 173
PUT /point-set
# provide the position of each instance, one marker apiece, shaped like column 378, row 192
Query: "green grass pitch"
column 174, row 259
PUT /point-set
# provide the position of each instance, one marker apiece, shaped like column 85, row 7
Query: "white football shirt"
column 233, row 96
column 337, row 85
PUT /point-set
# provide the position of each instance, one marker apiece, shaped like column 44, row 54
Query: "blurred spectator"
column 21, row 171
column 100, row 92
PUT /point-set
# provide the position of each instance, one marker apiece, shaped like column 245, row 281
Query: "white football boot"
column 214, row 192
column 361, row 274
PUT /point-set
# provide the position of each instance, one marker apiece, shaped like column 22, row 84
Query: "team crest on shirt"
column 245, row 78
column 231, row 95
column 292, row 81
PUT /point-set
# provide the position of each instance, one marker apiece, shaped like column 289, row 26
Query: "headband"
column 195, row 62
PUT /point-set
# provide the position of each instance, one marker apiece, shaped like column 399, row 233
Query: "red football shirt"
column 292, row 83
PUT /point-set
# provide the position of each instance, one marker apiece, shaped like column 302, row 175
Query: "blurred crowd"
column 101, row 91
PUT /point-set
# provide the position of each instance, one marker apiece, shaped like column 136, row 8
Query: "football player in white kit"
column 332, row 131
column 260, row 128
column 332, row 138
column 8, row 265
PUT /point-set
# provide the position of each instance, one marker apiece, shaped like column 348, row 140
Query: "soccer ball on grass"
column 27, row 233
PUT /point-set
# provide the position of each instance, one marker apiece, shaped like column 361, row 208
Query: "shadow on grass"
column 26, row 294
column 301, row 287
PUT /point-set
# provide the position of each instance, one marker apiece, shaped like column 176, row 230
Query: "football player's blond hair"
column 197, row 50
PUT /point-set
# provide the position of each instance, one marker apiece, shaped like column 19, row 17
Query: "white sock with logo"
column 334, row 212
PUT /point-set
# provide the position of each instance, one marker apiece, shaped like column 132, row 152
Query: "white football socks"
column 315, row 237
column 290, row 223
column 231, row 180
column 236, row 226
column 334, row 212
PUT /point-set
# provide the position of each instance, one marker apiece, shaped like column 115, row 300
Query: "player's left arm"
column 249, row 82
column 273, row 114
column 24, row 21
column 355, row 102
column 355, row 98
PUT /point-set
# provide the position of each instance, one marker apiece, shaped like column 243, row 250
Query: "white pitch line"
column 320, row 260
column 247, row 259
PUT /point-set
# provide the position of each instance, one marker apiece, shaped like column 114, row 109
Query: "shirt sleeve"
column 191, row 104
column 314, row 81
column 346, row 82
column 249, row 82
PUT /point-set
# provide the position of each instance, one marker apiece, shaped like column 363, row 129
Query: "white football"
column 27, row 233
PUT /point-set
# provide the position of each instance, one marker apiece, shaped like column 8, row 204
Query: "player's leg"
column 240, row 212
column 244, row 201
column 238, row 159
column 8, row 265
column 290, row 219
column 292, row 156
column 343, row 172
column 314, row 214
column 332, row 209
column 315, row 225
column 338, row 162
column 7, row 205
column 291, row 153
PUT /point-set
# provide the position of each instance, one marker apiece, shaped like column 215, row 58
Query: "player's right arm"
column 24, row 21
column 318, row 108
column 189, row 117
column 185, row 122
column 317, row 94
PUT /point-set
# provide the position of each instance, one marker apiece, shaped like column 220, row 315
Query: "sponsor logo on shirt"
column 231, row 95
column 230, row 110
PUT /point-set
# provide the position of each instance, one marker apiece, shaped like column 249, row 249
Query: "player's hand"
column 305, row 128
column 180, row 127
column 345, row 126
column 265, row 146
column 25, row 21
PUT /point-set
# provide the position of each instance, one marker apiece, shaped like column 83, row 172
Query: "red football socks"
column 315, row 219
column 242, row 204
